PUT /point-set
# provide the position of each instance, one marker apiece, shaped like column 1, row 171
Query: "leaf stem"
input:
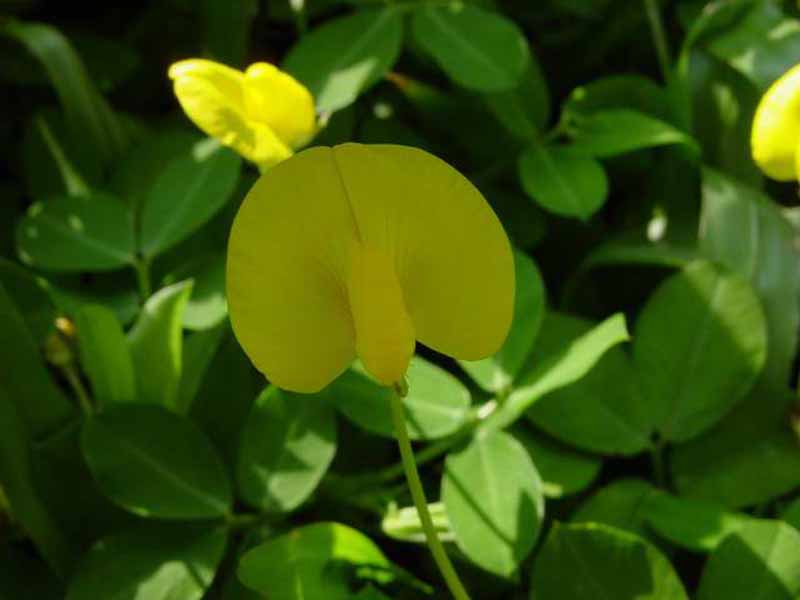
column 77, row 386
column 418, row 494
column 659, row 37
column 142, row 268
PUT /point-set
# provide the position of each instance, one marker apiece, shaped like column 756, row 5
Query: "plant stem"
column 142, row 268
column 77, row 386
column 418, row 494
column 659, row 36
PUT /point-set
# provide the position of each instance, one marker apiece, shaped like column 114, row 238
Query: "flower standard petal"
column 287, row 262
column 451, row 254
column 776, row 128
column 282, row 103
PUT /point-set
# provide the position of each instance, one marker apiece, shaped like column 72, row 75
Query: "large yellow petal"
column 451, row 254
column 776, row 128
column 282, row 103
column 288, row 256
column 212, row 96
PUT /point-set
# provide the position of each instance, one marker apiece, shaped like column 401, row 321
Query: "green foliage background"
column 637, row 435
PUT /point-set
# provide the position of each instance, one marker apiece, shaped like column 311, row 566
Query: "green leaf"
column 478, row 49
column 494, row 501
column 525, row 109
column 156, row 343
column 188, row 192
column 287, row 445
column 792, row 514
column 151, row 562
column 134, row 175
column 750, row 457
column 571, row 361
column 499, row 371
column 207, row 306
column 155, row 464
column 762, row 561
column 743, row 230
column 564, row 471
column 762, row 43
column 346, row 56
column 692, row 524
column 436, row 405
column 618, row 131
column 561, row 182
column 104, row 355
column 89, row 116
column 30, row 296
column 311, row 562
column 198, row 353
column 227, row 28
column 24, row 378
column 591, row 561
column 620, row 504
column 16, row 482
column 77, row 233
column 617, row 91
column 700, row 344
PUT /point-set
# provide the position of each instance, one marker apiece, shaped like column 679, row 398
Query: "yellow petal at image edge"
column 776, row 128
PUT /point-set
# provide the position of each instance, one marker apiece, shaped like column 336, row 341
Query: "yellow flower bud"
column 360, row 251
column 776, row 128
column 262, row 113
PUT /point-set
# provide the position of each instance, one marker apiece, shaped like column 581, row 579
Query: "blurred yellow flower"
column 262, row 113
column 359, row 251
column 776, row 128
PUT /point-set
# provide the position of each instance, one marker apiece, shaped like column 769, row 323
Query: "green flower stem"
column 659, row 37
column 417, row 493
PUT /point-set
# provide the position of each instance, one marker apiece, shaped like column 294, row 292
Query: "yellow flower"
column 262, row 113
column 359, row 251
column 776, row 128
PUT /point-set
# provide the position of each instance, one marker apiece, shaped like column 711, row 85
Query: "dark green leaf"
column 564, row 471
column 494, row 501
column 198, row 353
column 761, row 561
column 31, row 298
column 592, row 561
column 620, row 504
column 153, row 562
column 155, row 464
column 618, row 131
column 77, row 233
column 567, row 364
column 478, row 49
column 525, row 109
column 561, row 182
column 187, row 193
column 287, row 444
column 346, row 56
column 700, row 344
column 207, row 306
column 618, row 91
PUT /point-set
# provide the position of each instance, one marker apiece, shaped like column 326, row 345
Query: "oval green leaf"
column 592, row 561
column 346, row 56
column 287, row 445
column 561, row 182
column 700, row 343
column 155, row 464
column 478, row 49
column 494, row 500
column 77, row 233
